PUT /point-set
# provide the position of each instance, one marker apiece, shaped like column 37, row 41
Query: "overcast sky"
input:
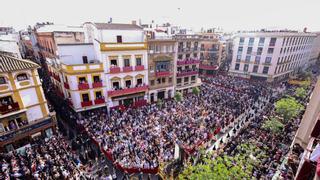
column 227, row 14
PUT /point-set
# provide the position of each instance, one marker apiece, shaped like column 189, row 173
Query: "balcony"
column 114, row 70
column 139, row 68
column 163, row 73
column 132, row 90
column 82, row 68
column 188, row 61
column 66, row 85
column 27, row 130
column 86, row 103
column 127, row 69
column 123, row 46
column 97, row 84
column 5, row 109
column 187, row 73
column 99, row 101
column 83, row 86
column 208, row 67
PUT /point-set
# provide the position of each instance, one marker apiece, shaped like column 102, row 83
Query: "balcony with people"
column 128, row 88
column 163, row 68
column 187, row 71
column 97, row 82
column 188, row 61
column 83, row 84
column 85, row 100
column 99, row 98
column 309, row 166
column 7, row 105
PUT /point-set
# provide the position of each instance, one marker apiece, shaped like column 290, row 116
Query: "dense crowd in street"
column 274, row 147
column 50, row 158
column 141, row 138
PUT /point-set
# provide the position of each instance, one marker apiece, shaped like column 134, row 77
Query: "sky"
column 230, row 15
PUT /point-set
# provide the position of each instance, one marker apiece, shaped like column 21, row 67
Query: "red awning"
column 318, row 167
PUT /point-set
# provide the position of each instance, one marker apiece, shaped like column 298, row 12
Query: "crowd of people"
column 49, row 158
column 273, row 146
column 144, row 137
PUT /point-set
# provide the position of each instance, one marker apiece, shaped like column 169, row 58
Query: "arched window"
column 22, row 77
column 2, row 80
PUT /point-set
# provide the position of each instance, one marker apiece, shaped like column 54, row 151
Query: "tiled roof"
column 10, row 64
column 116, row 26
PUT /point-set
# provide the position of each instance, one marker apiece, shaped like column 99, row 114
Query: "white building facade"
column 270, row 56
column 122, row 49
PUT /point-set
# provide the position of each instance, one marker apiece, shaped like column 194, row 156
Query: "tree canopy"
column 273, row 124
column 301, row 92
column 225, row 167
column 288, row 108
column 196, row 91
column 178, row 96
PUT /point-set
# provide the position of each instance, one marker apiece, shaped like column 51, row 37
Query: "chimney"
column 134, row 22
column 110, row 20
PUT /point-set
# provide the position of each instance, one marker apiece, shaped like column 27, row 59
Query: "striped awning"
column 10, row 64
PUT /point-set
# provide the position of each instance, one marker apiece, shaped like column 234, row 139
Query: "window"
column 259, row 50
column 2, row 80
column 85, row 97
column 82, row 80
column 238, row 57
column 193, row 78
column 272, row 41
column 240, row 49
column 265, row 70
column 270, row 50
column 178, row 80
column 163, row 80
column 180, row 56
column 119, row 39
column 85, row 59
column 114, row 62
column 249, row 50
column 187, row 56
column 139, row 81
column 241, row 40
column 186, row 80
column 22, row 77
column 261, row 41
column 126, row 62
column 248, row 58
column 152, row 82
column 158, row 81
column 170, row 79
column 268, row 60
column 255, row 69
column 116, row 85
column 138, row 61
column 96, row 79
column 257, row 59
column 251, row 41
column 98, row 95
column 246, row 67
column 237, row 67
column 195, row 55
column 128, row 83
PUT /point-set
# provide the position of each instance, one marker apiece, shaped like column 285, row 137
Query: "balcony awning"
column 318, row 168
column 128, row 96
